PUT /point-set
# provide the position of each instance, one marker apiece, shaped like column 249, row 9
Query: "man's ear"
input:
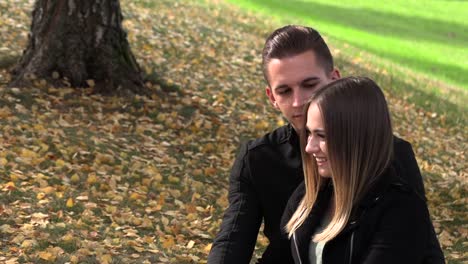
column 335, row 74
column 271, row 97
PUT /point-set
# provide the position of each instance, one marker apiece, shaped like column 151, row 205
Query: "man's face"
column 292, row 81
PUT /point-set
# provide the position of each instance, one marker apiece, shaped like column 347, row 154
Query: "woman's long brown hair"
column 359, row 140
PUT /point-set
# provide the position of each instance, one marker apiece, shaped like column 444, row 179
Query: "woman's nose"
column 312, row 146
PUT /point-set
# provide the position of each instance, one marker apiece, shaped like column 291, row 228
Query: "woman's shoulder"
column 401, row 193
column 393, row 191
column 400, row 199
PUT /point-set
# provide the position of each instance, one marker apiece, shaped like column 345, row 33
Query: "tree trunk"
column 73, row 41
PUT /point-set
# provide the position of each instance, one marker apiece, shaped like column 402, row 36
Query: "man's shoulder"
column 274, row 138
column 400, row 142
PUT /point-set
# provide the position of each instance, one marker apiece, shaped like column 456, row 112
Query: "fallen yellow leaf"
column 75, row 178
column 26, row 153
column 40, row 196
column 9, row 186
column 45, row 255
column 135, row 196
column 48, row 189
column 105, row 259
column 68, row 237
column 139, row 249
column 92, row 179
column 207, row 248
column 74, row 259
column 168, row 242
column 70, row 202
column 174, row 179
column 60, row 163
column 27, row 243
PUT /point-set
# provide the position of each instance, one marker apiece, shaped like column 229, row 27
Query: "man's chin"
column 297, row 127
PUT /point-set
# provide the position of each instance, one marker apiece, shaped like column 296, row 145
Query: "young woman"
column 352, row 206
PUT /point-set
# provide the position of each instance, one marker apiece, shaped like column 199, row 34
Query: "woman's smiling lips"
column 321, row 160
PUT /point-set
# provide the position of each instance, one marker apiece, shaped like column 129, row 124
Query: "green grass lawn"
column 429, row 37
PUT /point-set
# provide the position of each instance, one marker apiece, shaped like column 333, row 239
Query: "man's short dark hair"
column 292, row 40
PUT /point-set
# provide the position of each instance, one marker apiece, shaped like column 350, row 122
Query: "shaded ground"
column 94, row 179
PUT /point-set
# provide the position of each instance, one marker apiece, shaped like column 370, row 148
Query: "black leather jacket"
column 263, row 177
column 390, row 225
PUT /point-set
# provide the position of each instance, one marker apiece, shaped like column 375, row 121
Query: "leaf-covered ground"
column 92, row 179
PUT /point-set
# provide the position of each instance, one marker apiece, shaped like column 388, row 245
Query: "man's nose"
column 298, row 99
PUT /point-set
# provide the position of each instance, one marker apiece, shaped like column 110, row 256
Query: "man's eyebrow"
column 281, row 86
column 310, row 79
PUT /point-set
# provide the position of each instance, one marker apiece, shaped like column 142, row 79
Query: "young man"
column 296, row 61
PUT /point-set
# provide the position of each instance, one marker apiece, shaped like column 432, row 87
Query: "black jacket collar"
column 304, row 232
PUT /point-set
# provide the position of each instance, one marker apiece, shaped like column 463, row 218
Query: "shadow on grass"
column 7, row 61
column 167, row 87
column 422, row 98
column 380, row 23
column 447, row 71
column 383, row 24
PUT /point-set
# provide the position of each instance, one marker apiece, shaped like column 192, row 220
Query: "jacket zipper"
column 351, row 248
column 297, row 249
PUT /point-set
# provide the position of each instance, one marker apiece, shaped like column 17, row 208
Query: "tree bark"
column 73, row 41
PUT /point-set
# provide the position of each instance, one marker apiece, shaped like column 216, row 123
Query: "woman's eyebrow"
column 317, row 130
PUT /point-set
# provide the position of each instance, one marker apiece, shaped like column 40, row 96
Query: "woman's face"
column 316, row 144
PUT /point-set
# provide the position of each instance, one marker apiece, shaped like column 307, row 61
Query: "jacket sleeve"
column 236, row 239
column 291, row 207
column 407, row 166
column 402, row 234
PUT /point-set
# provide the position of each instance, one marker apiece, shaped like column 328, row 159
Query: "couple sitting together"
column 332, row 186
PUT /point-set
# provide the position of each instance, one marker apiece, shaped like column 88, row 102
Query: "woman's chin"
column 324, row 174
